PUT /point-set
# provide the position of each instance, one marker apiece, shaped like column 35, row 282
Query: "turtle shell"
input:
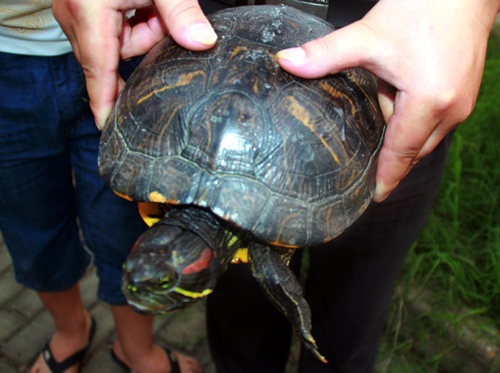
column 291, row 160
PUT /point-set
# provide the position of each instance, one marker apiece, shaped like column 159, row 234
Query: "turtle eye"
column 164, row 283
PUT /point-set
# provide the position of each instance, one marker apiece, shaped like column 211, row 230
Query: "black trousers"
column 350, row 279
column 349, row 288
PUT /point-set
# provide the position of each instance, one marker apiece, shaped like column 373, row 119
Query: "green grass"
column 457, row 255
column 458, row 251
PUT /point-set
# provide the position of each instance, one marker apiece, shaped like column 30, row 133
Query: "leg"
column 135, row 347
column 72, row 326
column 38, row 213
column 268, row 263
column 351, row 277
column 110, row 226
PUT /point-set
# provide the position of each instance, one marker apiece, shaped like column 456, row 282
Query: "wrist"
column 489, row 9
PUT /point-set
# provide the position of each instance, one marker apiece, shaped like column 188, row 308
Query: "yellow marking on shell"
column 241, row 256
column 337, row 94
column 159, row 137
column 327, row 218
column 237, row 50
column 124, row 196
column 285, row 161
column 277, row 243
column 329, row 89
column 203, row 196
column 302, row 114
column 256, row 87
column 366, row 95
column 192, row 294
column 157, row 197
column 150, row 212
column 184, row 79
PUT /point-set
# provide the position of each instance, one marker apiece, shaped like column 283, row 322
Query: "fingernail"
column 101, row 117
column 381, row 193
column 296, row 55
column 100, row 122
column 99, row 127
column 202, row 33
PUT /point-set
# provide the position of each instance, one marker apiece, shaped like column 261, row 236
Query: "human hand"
column 429, row 57
column 101, row 35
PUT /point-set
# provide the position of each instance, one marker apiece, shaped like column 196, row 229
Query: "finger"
column 94, row 34
column 187, row 24
column 351, row 46
column 142, row 32
column 408, row 130
column 103, row 81
column 386, row 98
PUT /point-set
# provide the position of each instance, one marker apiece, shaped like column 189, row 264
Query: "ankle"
column 78, row 324
column 151, row 359
column 70, row 337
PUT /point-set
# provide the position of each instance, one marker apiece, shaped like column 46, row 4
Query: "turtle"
column 242, row 161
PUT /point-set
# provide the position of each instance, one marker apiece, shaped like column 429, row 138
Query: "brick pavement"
column 25, row 326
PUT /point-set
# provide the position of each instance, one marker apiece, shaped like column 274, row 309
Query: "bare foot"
column 64, row 344
column 187, row 364
column 157, row 361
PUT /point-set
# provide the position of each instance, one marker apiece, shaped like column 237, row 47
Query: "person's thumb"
column 351, row 46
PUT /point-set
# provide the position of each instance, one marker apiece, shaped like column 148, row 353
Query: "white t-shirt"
column 29, row 27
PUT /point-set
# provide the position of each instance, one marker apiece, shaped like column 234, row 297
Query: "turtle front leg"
column 269, row 265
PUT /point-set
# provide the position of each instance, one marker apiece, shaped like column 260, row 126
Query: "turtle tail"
column 269, row 266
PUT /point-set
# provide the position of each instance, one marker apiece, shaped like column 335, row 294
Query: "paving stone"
column 88, row 288
column 102, row 362
column 203, row 357
column 25, row 346
column 10, row 322
column 196, row 310
column 187, row 329
column 6, row 368
column 160, row 321
column 28, row 303
column 9, row 288
column 5, row 260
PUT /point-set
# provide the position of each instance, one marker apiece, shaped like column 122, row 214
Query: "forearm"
column 487, row 11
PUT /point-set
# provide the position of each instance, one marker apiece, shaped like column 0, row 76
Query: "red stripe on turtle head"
column 135, row 244
column 201, row 264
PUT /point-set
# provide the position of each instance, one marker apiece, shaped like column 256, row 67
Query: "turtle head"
column 168, row 269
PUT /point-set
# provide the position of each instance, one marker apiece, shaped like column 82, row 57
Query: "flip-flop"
column 174, row 364
column 76, row 358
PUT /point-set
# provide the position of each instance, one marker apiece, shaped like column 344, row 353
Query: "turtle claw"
column 269, row 266
column 308, row 340
column 311, row 345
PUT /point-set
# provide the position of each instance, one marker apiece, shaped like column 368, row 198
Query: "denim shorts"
column 50, row 187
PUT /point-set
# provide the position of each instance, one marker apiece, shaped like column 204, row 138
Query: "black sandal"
column 77, row 357
column 174, row 365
